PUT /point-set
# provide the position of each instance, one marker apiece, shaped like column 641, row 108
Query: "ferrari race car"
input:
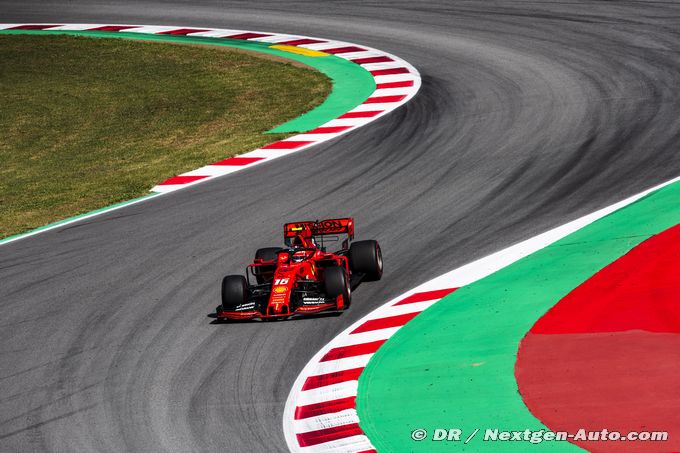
column 302, row 277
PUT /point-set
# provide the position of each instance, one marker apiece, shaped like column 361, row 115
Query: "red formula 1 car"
column 302, row 278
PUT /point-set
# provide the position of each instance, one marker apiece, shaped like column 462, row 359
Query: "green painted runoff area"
column 352, row 84
column 453, row 365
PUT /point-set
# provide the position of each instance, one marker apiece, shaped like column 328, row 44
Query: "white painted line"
column 319, row 138
column 76, row 219
column 392, row 91
column 277, row 38
column 328, row 393
column 150, row 29
column 396, row 310
column 354, row 444
column 372, row 107
column 386, row 65
column 327, row 45
column 367, row 337
column 210, row 34
column 389, row 78
column 212, row 170
column 76, row 27
column 354, row 122
column 346, row 417
column 353, row 55
column 332, row 366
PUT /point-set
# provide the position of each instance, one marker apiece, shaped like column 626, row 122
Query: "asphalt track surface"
column 531, row 114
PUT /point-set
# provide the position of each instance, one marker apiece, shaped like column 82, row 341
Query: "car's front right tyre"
column 336, row 284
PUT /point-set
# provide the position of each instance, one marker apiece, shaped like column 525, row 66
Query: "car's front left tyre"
column 234, row 292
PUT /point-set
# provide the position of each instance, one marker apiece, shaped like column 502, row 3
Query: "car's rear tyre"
column 266, row 254
column 234, row 292
column 336, row 283
column 365, row 257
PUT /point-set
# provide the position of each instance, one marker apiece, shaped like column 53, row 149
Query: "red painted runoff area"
column 606, row 355
column 639, row 291
column 328, row 434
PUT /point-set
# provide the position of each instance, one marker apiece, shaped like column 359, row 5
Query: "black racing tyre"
column 336, row 283
column 266, row 254
column 365, row 257
column 234, row 291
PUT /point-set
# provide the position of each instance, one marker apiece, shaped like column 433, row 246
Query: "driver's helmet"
column 299, row 257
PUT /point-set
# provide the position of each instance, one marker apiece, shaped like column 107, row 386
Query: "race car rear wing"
column 319, row 228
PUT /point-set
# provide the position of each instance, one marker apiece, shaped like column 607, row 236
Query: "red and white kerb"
column 320, row 414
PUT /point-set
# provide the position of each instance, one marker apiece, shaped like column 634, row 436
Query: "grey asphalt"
column 531, row 114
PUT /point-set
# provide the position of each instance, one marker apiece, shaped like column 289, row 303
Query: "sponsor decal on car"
column 245, row 307
column 313, row 300
column 328, row 224
column 322, row 227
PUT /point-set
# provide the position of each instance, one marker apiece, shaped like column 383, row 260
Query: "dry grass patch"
column 89, row 122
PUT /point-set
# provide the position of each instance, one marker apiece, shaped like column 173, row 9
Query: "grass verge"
column 85, row 122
